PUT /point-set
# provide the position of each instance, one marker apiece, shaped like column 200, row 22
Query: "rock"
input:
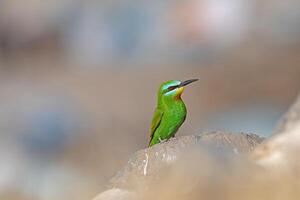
column 116, row 194
column 282, row 149
column 145, row 165
column 290, row 119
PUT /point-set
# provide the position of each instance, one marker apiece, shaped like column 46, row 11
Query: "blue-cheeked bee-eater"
column 170, row 111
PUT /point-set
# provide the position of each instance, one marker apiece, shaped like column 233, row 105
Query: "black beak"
column 184, row 83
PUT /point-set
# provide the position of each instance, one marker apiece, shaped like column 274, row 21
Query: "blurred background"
column 78, row 81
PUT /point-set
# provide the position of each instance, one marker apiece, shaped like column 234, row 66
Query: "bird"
column 170, row 111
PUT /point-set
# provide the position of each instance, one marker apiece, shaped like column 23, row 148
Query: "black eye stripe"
column 170, row 88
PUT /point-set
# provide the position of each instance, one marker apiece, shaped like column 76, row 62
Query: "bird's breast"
column 177, row 112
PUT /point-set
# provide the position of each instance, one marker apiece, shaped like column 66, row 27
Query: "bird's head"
column 173, row 89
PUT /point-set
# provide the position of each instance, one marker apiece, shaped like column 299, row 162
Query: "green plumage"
column 170, row 111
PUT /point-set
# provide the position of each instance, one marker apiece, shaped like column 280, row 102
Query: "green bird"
column 170, row 111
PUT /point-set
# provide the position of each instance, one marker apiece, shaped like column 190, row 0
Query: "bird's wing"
column 155, row 121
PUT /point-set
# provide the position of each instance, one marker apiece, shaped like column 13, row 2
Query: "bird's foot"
column 162, row 140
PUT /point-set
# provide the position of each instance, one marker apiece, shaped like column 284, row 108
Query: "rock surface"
column 290, row 119
column 281, row 150
column 116, row 194
column 146, row 166
column 146, row 163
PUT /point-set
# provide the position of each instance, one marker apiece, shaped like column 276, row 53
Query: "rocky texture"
column 281, row 150
column 290, row 119
column 116, row 194
column 147, row 163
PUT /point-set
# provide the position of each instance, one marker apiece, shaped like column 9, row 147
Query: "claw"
column 162, row 140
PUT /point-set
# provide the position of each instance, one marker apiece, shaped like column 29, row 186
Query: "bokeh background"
column 78, row 80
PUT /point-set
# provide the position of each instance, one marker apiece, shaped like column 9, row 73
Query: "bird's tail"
column 151, row 142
